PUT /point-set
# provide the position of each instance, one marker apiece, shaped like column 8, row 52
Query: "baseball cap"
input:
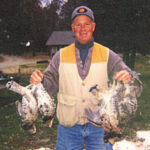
column 82, row 10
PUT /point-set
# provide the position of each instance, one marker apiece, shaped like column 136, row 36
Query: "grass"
column 41, row 66
column 143, row 67
column 1, row 59
column 28, row 69
column 13, row 137
column 141, row 120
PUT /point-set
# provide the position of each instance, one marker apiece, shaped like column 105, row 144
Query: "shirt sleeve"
column 116, row 64
column 51, row 75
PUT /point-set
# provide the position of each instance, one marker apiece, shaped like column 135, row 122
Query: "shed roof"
column 61, row 38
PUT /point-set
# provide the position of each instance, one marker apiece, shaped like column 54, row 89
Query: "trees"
column 16, row 24
column 66, row 12
column 9, row 23
column 25, row 20
column 122, row 25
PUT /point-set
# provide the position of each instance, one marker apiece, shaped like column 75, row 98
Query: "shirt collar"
column 84, row 46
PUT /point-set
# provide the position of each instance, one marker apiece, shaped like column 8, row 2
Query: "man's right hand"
column 36, row 77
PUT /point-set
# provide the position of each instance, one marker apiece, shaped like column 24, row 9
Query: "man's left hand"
column 123, row 76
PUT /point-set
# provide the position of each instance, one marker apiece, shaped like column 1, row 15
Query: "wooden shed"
column 59, row 39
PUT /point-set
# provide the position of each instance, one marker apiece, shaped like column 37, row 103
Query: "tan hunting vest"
column 74, row 95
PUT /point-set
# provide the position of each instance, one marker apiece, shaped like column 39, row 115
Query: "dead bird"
column 28, row 108
column 46, row 104
column 34, row 99
column 117, row 105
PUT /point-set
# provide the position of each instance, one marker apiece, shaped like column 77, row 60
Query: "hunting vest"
column 74, row 95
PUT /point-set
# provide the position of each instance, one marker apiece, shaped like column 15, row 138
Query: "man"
column 71, row 72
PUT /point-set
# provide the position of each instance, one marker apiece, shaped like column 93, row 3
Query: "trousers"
column 78, row 137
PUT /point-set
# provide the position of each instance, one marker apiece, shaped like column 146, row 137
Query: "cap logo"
column 82, row 10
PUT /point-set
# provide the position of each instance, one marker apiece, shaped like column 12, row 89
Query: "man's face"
column 83, row 28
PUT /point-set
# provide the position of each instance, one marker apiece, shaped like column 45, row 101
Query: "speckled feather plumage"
column 34, row 99
column 117, row 105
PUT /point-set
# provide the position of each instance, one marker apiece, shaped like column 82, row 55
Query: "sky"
column 45, row 2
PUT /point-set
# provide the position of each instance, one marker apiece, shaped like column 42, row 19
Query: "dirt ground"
column 11, row 64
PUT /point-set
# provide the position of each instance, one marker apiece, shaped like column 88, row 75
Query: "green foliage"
column 121, row 25
column 22, row 21
column 66, row 12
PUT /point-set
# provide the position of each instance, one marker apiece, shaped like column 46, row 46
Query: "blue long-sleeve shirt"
column 84, row 49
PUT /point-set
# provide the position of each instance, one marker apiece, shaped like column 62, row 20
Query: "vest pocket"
column 67, row 110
